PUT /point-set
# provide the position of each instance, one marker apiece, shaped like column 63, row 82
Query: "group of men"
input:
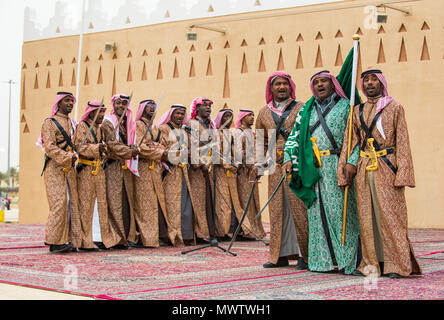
column 115, row 182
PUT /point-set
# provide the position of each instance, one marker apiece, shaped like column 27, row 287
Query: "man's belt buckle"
column 125, row 167
column 152, row 166
column 96, row 165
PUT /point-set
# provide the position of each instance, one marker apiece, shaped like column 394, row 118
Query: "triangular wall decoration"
column 299, row 62
column 262, row 42
column 61, row 78
column 130, row 55
column 381, row 30
column 36, row 82
column 129, row 75
column 159, row 72
column 176, row 49
column 144, row 74
column 226, row 92
column 318, row 62
column 381, row 54
column 425, row 26
column 244, row 43
column 339, row 61
column 209, row 47
column 319, row 36
column 159, row 52
column 280, row 64
column 262, row 63
column 192, row 48
column 48, row 82
column 26, row 129
column 48, row 64
column 100, row 77
column 339, row 34
column 402, row 28
column 100, row 57
column 176, row 70
column 192, row 69
column 402, row 52
column 425, row 51
column 299, row 38
column 73, row 78
column 61, row 61
column 280, row 40
column 86, row 82
column 209, row 68
column 144, row 54
column 227, row 45
column 244, row 68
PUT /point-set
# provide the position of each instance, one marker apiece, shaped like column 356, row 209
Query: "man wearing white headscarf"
column 63, row 228
column 383, row 170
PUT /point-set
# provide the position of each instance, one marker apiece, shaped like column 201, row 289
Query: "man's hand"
column 134, row 151
column 349, row 172
column 74, row 158
column 102, row 148
column 279, row 157
column 287, row 167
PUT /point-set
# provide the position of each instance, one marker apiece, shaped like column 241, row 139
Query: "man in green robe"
column 312, row 154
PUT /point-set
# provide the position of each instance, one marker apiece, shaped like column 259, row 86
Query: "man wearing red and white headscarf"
column 244, row 157
column 150, row 213
column 228, row 209
column 202, row 134
column 63, row 228
column 120, row 169
column 288, row 218
column 384, row 169
column 179, row 199
column 327, row 119
column 93, row 205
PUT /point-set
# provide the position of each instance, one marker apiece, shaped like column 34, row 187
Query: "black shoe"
column 201, row 241
column 120, row 247
column 163, row 243
column 101, row 246
column 89, row 249
column 282, row 262
column 358, row 273
column 394, row 276
column 302, row 265
column 60, row 248
column 135, row 245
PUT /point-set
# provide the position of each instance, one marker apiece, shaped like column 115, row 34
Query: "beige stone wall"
column 232, row 70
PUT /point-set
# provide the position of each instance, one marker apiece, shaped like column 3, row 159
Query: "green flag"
column 300, row 146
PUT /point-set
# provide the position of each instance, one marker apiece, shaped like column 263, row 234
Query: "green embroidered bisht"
column 307, row 181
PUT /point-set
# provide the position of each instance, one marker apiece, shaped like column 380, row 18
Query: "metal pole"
column 9, row 138
column 79, row 60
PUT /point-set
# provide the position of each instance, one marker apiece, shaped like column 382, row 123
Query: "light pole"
column 9, row 136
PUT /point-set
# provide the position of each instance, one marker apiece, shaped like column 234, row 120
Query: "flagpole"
column 79, row 60
column 356, row 38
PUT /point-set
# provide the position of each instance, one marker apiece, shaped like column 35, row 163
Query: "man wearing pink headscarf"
column 179, row 199
column 327, row 119
column 120, row 168
column 63, row 228
column 150, row 213
column 228, row 209
column 244, row 146
column 382, row 175
column 202, row 133
column 89, row 143
column 288, row 218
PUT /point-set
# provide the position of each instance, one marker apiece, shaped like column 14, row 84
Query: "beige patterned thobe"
column 59, row 185
column 120, row 185
column 265, row 122
column 92, row 188
column 149, row 193
column 380, row 194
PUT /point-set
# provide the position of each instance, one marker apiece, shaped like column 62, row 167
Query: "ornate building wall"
column 232, row 69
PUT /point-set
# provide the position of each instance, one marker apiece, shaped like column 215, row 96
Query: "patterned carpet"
column 166, row 274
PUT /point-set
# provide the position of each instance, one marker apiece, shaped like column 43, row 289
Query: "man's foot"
column 120, row 247
column 302, row 265
column 163, row 243
column 59, row 248
column 135, row 245
column 282, row 262
column 394, row 276
column 201, row 241
column 358, row 273
column 101, row 246
column 89, row 249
